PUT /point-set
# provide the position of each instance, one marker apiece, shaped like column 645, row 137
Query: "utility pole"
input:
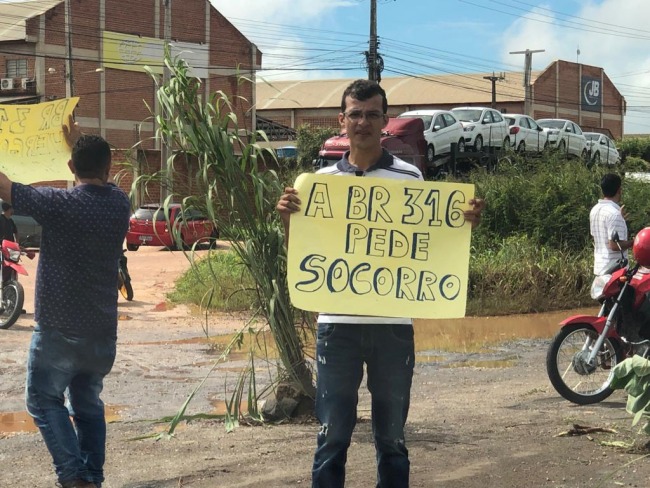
column 372, row 52
column 69, row 80
column 494, row 80
column 528, row 63
column 164, row 144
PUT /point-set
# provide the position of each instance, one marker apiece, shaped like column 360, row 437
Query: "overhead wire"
column 269, row 31
column 567, row 24
column 264, row 30
column 542, row 7
column 307, row 63
column 287, row 30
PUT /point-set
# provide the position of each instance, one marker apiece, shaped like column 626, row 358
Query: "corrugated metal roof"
column 403, row 90
column 14, row 16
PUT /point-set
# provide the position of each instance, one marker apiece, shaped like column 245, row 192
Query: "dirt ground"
column 468, row 427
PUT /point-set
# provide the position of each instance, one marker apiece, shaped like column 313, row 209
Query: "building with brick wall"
column 578, row 92
column 97, row 49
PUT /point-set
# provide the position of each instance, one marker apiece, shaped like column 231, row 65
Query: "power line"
column 482, row 64
column 540, row 7
column 554, row 23
column 310, row 63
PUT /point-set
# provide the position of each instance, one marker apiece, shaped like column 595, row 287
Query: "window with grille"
column 16, row 68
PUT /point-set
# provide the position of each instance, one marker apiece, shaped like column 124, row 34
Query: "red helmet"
column 641, row 247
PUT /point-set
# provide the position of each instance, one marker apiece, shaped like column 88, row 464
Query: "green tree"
column 310, row 140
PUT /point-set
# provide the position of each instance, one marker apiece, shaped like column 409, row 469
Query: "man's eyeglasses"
column 356, row 115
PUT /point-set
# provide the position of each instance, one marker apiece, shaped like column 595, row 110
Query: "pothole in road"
column 12, row 423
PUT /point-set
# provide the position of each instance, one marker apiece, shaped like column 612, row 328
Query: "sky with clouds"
column 306, row 39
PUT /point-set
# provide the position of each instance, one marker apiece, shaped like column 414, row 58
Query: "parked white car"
column 602, row 149
column 483, row 127
column 441, row 129
column 565, row 136
column 525, row 134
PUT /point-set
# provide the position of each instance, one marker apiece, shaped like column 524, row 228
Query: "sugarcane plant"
column 239, row 198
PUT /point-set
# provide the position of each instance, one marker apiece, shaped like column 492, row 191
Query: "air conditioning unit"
column 6, row 84
column 25, row 83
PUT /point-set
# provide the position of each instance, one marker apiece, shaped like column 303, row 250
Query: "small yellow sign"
column 32, row 146
column 380, row 247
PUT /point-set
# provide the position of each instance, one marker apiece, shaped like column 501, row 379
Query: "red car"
column 404, row 138
column 148, row 226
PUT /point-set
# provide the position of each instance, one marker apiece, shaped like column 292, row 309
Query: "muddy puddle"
column 468, row 341
column 21, row 422
column 476, row 342
column 483, row 342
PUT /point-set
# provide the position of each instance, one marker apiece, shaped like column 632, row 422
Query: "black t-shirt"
column 7, row 228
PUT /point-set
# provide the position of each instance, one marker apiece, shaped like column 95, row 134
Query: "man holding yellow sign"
column 377, row 269
column 73, row 344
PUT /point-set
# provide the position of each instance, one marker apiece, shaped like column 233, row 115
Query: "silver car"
column 483, row 127
column 525, row 134
column 565, row 136
column 441, row 130
column 602, row 149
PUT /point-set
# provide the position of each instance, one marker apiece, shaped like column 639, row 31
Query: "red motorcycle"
column 581, row 357
column 12, row 295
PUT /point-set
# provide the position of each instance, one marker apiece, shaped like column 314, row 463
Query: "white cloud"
column 611, row 34
column 301, row 12
column 286, row 50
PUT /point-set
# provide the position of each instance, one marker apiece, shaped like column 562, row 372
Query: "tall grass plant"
column 230, row 187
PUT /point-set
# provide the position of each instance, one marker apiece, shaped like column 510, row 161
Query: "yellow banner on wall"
column 32, row 146
column 380, row 247
column 132, row 53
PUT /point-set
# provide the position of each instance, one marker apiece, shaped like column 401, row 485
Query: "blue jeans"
column 56, row 363
column 341, row 351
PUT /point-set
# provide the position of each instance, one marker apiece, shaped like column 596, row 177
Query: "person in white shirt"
column 605, row 218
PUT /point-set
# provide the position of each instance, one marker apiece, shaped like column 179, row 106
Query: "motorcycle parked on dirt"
column 124, row 279
column 12, row 295
column 581, row 358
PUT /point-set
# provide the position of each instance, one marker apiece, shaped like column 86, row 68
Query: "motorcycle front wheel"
column 567, row 368
column 124, row 286
column 13, row 297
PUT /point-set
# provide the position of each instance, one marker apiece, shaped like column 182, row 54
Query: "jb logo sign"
column 591, row 94
column 380, row 247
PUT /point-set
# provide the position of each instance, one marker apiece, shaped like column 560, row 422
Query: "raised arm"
column 289, row 203
column 71, row 131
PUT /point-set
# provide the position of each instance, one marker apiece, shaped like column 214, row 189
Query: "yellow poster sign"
column 380, row 247
column 32, row 146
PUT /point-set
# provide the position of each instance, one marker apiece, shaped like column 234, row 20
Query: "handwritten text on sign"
column 380, row 247
column 32, row 147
